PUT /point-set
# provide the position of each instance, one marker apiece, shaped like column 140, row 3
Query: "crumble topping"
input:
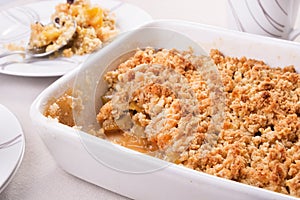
column 258, row 143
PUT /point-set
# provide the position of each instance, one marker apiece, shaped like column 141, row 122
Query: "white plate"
column 15, row 28
column 12, row 145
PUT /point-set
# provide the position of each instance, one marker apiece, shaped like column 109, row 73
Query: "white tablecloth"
column 39, row 177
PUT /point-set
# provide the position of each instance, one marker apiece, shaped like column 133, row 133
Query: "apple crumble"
column 94, row 25
column 258, row 141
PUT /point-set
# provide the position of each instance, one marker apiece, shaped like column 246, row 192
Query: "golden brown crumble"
column 259, row 143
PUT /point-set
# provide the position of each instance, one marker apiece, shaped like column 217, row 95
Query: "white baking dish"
column 140, row 176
